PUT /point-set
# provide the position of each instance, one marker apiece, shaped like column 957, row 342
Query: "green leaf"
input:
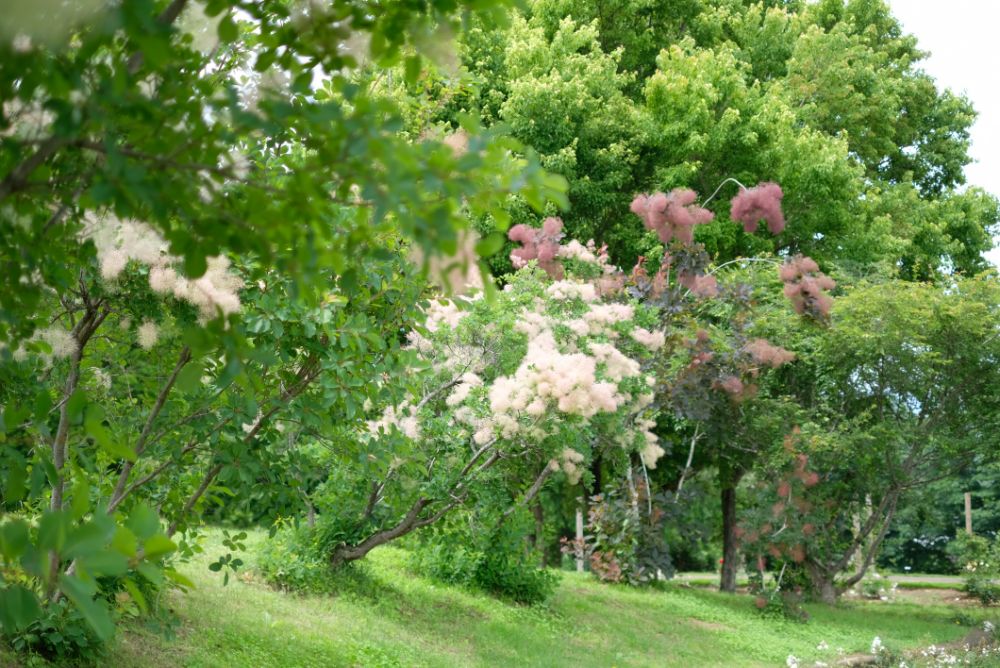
column 176, row 577
column 43, row 403
column 157, row 546
column 136, row 594
column 189, row 379
column 80, row 499
column 490, row 244
column 18, row 607
column 17, row 473
column 13, row 539
column 228, row 30
column 105, row 563
column 86, row 539
column 150, row 571
column 143, row 521
column 125, row 542
column 94, row 425
column 94, row 613
column 412, row 72
column 52, row 530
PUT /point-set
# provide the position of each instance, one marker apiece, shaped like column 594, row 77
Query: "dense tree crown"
column 827, row 98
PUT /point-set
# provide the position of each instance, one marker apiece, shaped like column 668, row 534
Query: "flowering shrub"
column 533, row 369
column 979, row 559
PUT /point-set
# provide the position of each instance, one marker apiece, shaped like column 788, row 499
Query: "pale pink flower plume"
column 762, row 202
column 763, row 352
column 731, row 385
column 671, row 216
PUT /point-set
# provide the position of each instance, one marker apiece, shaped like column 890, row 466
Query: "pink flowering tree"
column 710, row 375
column 535, row 381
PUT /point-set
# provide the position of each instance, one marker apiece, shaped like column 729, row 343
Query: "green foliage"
column 61, row 635
column 293, row 559
column 495, row 562
column 203, row 267
column 828, row 100
column 979, row 559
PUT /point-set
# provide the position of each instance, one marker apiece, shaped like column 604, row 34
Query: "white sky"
column 962, row 37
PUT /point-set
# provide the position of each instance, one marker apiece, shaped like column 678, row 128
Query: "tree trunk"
column 730, row 560
column 595, row 470
column 538, row 537
column 822, row 582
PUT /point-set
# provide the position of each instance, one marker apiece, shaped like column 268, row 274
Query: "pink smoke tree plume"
column 762, row 202
column 671, row 216
column 806, row 287
column 538, row 244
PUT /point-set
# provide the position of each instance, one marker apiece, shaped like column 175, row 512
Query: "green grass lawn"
column 392, row 617
column 398, row 619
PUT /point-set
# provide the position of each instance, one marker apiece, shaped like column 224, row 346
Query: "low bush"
column 293, row 559
column 496, row 564
column 979, row 559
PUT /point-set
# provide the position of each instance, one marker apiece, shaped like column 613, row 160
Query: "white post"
column 579, row 536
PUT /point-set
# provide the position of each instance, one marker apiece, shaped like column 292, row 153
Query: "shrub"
column 293, row 560
column 496, row 564
column 876, row 588
column 980, row 561
column 60, row 635
column 775, row 601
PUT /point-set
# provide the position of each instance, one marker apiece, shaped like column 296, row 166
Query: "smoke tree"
column 545, row 374
column 162, row 166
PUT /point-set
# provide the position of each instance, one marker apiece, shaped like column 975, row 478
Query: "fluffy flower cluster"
column 652, row 340
column 762, row 202
column 468, row 382
column 59, row 340
column 148, row 334
column 700, row 285
column 548, row 377
column 601, row 319
column 651, row 451
column 763, row 352
column 120, row 241
column 402, row 417
column 444, row 313
column 671, row 216
column 570, row 463
column 564, row 290
column 806, row 287
column 574, row 250
column 538, row 244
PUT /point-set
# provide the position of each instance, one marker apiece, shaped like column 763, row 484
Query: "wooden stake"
column 579, row 534
column 968, row 513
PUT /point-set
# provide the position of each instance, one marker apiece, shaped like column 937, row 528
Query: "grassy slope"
column 398, row 619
